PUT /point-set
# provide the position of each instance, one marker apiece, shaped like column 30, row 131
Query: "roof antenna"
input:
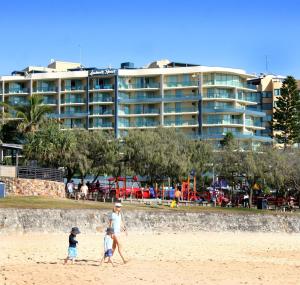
column 267, row 65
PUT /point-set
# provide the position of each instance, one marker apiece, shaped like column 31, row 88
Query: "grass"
column 37, row 202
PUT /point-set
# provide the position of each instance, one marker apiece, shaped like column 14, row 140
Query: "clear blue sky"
column 216, row 33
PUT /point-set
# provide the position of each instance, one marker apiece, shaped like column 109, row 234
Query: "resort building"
column 268, row 88
column 200, row 101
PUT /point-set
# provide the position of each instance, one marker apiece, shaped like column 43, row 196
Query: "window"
column 267, row 94
column 267, row 106
column 277, row 92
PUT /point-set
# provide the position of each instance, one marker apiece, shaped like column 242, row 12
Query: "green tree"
column 201, row 157
column 227, row 140
column 286, row 118
column 51, row 147
column 30, row 115
column 157, row 154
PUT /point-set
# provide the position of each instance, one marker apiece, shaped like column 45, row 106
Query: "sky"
column 257, row 35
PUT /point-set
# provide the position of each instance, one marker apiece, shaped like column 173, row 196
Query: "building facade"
column 200, row 101
column 268, row 88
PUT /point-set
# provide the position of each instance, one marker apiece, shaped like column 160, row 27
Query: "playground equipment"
column 189, row 190
column 125, row 187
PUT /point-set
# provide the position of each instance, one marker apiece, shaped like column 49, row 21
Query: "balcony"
column 182, row 123
column 247, row 97
column 219, row 96
column 102, row 125
column 178, row 84
column 101, row 112
column 45, row 89
column 103, row 86
column 253, row 124
column 180, row 110
column 73, row 126
column 229, row 84
column 223, row 122
column 138, row 124
column 15, row 102
column 153, row 85
column 50, row 101
column 139, row 112
column 74, row 88
column 238, row 135
column 73, row 101
column 101, row 99
column 181, row 97
column 72, row 114
column 16, row 90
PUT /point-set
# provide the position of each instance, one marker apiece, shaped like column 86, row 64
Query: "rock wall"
column 33, row 187
column 30, row 220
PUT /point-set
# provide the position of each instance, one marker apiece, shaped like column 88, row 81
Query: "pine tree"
column 285, row 118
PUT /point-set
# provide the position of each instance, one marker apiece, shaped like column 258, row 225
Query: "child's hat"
column 110, row 231
column 75, row 231
column 118, row 205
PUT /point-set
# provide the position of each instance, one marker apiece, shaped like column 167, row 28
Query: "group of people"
column 112, row 238
column 81, row 192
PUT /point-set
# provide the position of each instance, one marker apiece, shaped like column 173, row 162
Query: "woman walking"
column 117, row 223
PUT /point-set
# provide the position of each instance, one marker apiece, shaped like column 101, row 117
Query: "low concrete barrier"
column 31, row 220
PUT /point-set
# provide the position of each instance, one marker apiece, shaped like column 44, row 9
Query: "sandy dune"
column 182, row 258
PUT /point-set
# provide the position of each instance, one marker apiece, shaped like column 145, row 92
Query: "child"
column 108, row 243
column 72, row 250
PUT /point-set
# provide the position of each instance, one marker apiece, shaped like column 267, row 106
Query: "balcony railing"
column 50, row 101
column 139, row 85
column 74, row 88
column 218, row 95
column 103, row 86
column 139, row 112
column 45, row 89
column 101, row 112
column 250, row 98
column 181, row 96
column 138, row 124
column 72, row 100
column 102, row 125
column 17, row 102
column 139, row 97
column 101, row 99
column 180, row 110
column 250, row 123
column 17, row 90
column 224, row 122
column 180, row 123
column 230, row 84
column 73, row 126
column 181, row 84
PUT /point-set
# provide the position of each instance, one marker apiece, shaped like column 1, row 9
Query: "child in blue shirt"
column 108, row 244
column 72, row 250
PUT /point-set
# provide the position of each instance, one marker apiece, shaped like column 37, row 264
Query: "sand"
column 165, row 258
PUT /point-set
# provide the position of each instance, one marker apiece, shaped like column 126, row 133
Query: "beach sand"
column 154, row 258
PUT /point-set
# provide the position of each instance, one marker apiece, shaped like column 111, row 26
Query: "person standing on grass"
column 177, row 195
column 84, row 191
column 116, row 222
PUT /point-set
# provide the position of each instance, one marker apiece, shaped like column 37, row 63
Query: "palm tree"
column 31, row 114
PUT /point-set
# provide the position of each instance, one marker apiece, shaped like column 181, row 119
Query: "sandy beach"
column 154, row 258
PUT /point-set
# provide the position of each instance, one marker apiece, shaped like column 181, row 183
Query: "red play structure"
column 125, row 187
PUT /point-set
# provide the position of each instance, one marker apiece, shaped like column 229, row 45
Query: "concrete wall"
column 33, row 187
column 8, row 171
column 53, row 221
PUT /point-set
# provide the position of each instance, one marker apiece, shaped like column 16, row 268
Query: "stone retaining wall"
column 53, row 221
column 33, row 187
